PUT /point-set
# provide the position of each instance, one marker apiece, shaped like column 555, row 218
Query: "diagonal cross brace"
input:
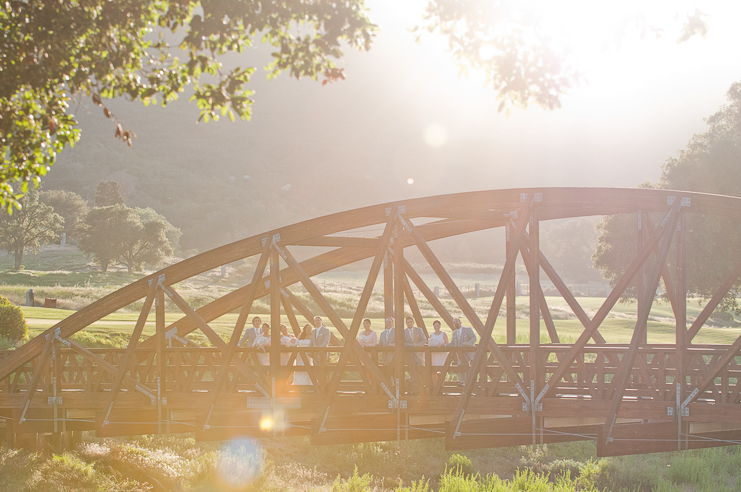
column 485, row 331
column 130, row 350
column 238, row 328
column 336, row 320
column 359, row 314
column 604, row 310
column 216, row 340
column 626, row 364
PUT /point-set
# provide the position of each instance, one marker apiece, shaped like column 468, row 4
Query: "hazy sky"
column 641, row 101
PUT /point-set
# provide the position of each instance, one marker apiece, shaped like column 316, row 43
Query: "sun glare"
column 266, row 423
column 435, row 135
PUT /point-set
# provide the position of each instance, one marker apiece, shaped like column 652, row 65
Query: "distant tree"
column 71, row 206
column 103, row 234
column 172, row 233
column 131, row 237
column 147, row 241
column 710, row 163
column 31, row 227
column 108, row 193
column 568, row 246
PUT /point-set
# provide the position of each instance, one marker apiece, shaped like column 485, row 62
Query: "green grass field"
column 67, row 275
column 614, row 329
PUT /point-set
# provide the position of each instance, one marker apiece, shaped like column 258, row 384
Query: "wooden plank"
column 643, row 438
column 135, row 422
column 226, row 426
column 341, row 242
column 368, row 428
column 41, row 420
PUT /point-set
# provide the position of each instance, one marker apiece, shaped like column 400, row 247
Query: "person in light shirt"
column 463, row 336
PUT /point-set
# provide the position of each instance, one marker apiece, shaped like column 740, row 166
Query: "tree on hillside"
column 569, row 245
column 52, row 52
column 31, row 227
column 108, row 193
column 103, row 233
column 710, row 163
column 146, row 243
column 119, row 234
column 71, row 206
column 172, row 233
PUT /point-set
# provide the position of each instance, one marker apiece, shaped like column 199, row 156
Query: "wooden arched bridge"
column 637, row 397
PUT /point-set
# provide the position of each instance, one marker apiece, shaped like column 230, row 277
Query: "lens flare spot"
column 435, row 135
column 267, row 423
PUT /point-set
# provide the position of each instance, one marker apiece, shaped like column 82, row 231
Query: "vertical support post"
column 159, row 301
column 388, row 286
column 537, row 377
column 399, row 324
column 55, row 373
column 511, row 298
column 680, row 293
column 641, row 277
column 275, row 318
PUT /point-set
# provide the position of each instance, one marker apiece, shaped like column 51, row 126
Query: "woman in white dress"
column 368, row 337
column 301, row 378
column 438, row 339
column 286, row 340
column 262, row 341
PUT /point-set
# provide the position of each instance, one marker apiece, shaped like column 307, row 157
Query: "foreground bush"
column 12, row 323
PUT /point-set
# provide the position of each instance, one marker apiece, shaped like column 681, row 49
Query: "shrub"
column 356, row 483
column 12, row 323
column 460, row 465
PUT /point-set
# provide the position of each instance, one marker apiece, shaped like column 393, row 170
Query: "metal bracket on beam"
column 402, row 209
column 146, row 393
column 267, row 282
column 394, row 404
column 685, row 201
column 684, row 407
column 160, row 280
column 173, row 333
column 526, row 405
column 537, row 197
column 51, row 400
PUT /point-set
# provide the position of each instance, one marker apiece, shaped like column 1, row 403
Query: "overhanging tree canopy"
column 51, row 52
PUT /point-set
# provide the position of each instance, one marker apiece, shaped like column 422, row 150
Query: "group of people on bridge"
column 260, row 336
